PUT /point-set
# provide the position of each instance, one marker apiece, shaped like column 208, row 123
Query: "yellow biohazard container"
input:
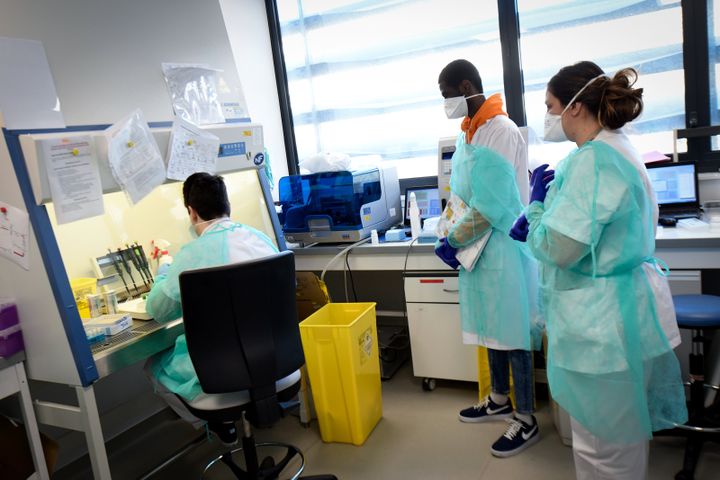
column 82, row 287
column 341, row 353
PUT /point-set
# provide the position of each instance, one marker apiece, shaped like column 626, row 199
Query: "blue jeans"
column 521, row 360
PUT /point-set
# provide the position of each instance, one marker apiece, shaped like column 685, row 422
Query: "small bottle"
column 414, row 217
column 374, row 239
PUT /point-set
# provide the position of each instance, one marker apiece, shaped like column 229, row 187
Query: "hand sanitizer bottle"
column 414, row 217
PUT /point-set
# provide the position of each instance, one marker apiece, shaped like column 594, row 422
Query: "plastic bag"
column 325, row 162
column 134, row 156
column 194, row 92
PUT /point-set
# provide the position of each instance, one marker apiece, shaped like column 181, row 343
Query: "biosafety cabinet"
column 55, row 340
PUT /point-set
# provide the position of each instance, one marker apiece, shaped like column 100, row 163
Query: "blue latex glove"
column 162, row 269
column 539, row 182
column 520, row 229
column 447, row 253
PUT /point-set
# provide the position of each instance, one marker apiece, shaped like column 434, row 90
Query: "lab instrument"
column 342, row 206
column 116, row 264
column 136, row 262
column 414, row 214
column 446, row 148
column 123, row 259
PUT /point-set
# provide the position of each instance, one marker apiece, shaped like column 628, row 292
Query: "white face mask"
column 193, row 231
column 553, row 122
column 553, row 128
column 456, row 107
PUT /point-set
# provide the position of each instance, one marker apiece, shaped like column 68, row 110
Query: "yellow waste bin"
column 484, row 383
column 341, row 353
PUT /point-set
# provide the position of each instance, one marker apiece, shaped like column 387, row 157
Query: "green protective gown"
column 173, row 368
column 609, row 362
column 498, row 298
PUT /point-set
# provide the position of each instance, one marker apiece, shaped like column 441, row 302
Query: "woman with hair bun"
column 611, row 324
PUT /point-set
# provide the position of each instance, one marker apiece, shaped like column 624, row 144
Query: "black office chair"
column 244, row 342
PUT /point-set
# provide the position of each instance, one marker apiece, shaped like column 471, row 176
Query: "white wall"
column 247, row 28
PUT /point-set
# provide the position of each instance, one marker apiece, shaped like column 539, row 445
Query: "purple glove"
column 447, row 253
column 520, row 229
column 539, row 183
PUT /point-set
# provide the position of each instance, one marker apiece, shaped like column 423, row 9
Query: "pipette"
column 136, row 263
column 118, row 270
column 143, row 260
column 127, row 269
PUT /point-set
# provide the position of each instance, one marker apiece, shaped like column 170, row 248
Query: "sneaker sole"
column 486, row 418
column 529, row 443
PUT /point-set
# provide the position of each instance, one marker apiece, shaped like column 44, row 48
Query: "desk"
column 141, row 341
column 679, row 247
column 13, row 380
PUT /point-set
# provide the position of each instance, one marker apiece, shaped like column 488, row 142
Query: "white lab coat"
column 599, row 460
column 501, row 135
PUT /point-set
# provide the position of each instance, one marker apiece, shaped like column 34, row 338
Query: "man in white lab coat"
column 218, row 241
column 498, row 296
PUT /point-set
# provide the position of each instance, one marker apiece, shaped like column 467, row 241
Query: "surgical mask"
column 191, row 228
column 456, row 107
column 553, row 131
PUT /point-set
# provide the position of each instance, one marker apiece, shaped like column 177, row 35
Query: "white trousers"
column 596, row 459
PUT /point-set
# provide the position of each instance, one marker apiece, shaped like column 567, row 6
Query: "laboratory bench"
column 141, row 341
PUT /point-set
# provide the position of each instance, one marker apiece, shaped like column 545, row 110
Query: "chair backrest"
column 241, row 325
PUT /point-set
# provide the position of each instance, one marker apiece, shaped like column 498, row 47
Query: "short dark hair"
column 207, row 195
column 458, row 70
column 613, row 100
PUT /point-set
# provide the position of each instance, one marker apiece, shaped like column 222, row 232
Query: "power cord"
column 341, row 253
column 352, row 280
column 389, row 352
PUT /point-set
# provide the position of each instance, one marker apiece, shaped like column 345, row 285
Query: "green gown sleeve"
column 471, row 227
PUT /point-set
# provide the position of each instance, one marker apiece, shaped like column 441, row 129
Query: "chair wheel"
column 268, row 462
column 429, row 384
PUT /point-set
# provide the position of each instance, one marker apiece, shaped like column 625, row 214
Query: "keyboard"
column 692, row 223
column 681, row 214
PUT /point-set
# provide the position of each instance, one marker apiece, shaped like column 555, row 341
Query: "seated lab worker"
column 611, row 325
column 218, row 241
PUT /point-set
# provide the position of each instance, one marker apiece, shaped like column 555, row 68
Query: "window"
column 646, row 35
column 362, row 75
column 714, row 39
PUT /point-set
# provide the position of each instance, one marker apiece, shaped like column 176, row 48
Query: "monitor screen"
column 674, row 183
column 428, row 200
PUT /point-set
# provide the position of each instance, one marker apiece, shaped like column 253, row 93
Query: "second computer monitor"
column 428, row 201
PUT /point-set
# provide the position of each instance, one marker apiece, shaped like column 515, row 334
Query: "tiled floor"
column 419, row 437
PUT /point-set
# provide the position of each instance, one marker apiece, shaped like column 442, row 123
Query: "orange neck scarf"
column 491, row 107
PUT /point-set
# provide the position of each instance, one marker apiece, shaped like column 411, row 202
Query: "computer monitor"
column 428, row 201
column 675, row 186
column 674, row 183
